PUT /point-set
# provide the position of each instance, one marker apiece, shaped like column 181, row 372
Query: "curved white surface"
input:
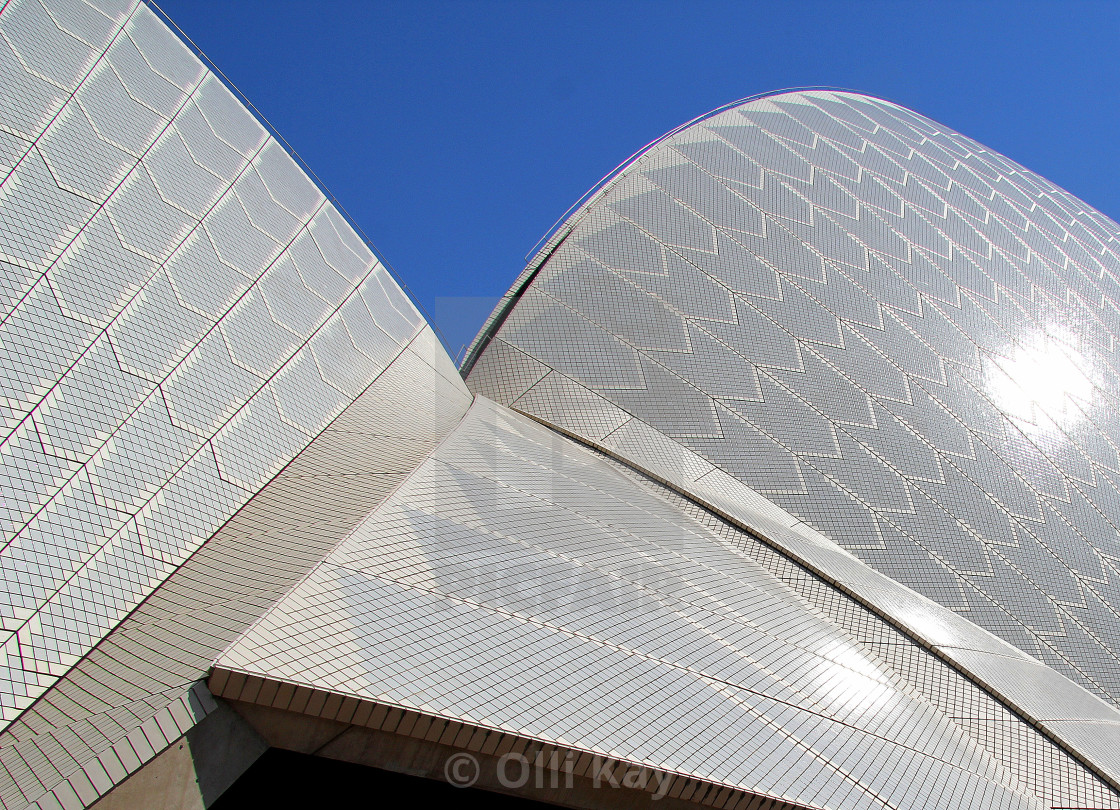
column 823, row 314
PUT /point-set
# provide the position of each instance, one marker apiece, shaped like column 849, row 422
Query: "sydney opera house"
column 786, row 474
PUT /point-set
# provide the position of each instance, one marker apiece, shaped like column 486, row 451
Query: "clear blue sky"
column 456, row 133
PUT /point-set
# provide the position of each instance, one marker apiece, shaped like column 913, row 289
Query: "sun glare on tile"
column 1043, row 374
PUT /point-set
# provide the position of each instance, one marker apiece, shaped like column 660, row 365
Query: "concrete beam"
column 193, row 771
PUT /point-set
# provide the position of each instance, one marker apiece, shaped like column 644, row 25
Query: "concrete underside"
column 550, row 778
column 194, row 770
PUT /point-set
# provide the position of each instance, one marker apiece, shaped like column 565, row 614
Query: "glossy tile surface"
column 519, row 582
column 810, row 335
column 181, row 313
column 898, row 336
column 140, row 689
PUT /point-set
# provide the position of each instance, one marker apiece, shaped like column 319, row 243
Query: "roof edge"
column 539, row 254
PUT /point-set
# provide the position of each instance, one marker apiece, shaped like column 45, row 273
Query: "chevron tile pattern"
column 224, row 427
column 906, row 340
column 181, row 313
column 141, row 687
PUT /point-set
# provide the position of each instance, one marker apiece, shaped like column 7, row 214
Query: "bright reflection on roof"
column 844, row 689
column 1044, row 373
